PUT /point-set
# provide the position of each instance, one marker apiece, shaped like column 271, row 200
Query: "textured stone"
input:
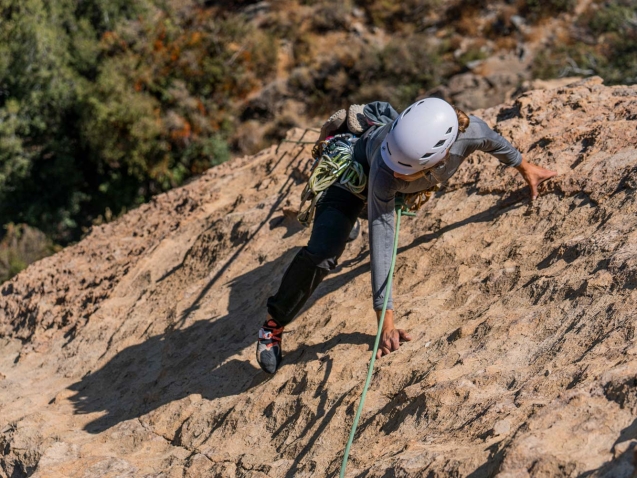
column 132, row 352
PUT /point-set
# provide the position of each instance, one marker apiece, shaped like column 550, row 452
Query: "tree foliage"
column 106, row 102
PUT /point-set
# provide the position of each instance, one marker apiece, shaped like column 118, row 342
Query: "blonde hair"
column 463, row 120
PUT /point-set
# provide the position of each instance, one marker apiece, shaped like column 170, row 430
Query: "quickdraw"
column 333, row 162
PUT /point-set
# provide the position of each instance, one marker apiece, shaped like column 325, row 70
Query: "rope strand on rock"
column 401, row 210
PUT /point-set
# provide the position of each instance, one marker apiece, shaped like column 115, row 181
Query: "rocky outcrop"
column 132, row 353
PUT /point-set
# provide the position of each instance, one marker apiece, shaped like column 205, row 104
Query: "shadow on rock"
column 624, row 463
column 183, row 361
column 193, row 360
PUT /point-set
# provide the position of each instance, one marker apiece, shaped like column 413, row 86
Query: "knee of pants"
column 323, row 257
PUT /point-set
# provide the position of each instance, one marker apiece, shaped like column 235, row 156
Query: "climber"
column 404, row 153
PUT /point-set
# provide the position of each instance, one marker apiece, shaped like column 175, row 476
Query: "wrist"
column 388, row 321
column 522, row 166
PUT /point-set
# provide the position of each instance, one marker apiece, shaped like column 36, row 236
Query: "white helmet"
column 421, row 136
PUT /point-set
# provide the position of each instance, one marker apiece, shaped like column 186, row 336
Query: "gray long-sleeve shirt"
column 383, row 186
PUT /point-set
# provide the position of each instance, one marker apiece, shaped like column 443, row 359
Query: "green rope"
column 400, row 212
column 338, row 165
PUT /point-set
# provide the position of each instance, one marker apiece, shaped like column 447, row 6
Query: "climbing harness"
column 401, row 210
column 333, row 161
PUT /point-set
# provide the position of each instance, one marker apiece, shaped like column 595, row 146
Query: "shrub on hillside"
column 612, row 53
column 399, row 72
column 536, row 10
column 331, row 15
column 20, row 246
column 399, row 16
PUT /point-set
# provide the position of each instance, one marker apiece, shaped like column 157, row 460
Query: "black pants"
column 336, row 214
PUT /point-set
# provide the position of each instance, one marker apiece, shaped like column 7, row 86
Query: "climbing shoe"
column 269, row 346
column 333, row 124
column 356, row 120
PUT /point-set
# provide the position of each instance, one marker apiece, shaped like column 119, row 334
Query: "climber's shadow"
column 195, row 360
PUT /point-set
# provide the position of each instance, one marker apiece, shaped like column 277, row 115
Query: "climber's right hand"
column 534, row 176
column 391, row 338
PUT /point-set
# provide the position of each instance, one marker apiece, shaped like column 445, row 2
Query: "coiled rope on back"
column 335, row 163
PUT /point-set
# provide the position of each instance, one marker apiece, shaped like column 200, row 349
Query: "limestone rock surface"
column 131, row 354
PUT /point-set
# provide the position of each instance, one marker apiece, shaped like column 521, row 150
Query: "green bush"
column 472, row 54
column 398, row 16
column 612, row 17
column 331, row 15
column 536, row 10
column 612, row 54
column 21, row 245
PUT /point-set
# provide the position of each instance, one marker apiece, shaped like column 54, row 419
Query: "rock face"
column 132, row 353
